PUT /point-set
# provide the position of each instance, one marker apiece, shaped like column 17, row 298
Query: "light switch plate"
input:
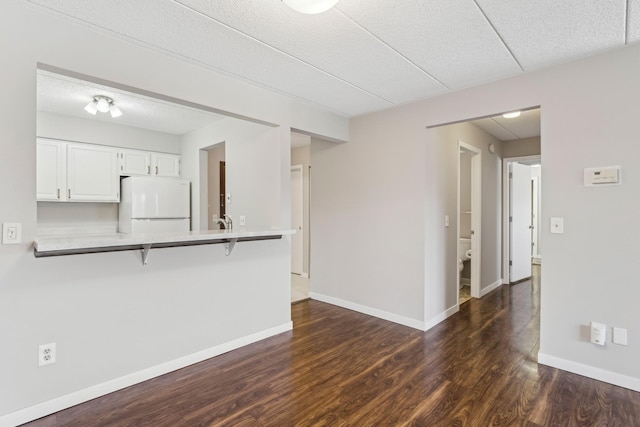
column 11, row 233
column 556, row 225
column 619, row 336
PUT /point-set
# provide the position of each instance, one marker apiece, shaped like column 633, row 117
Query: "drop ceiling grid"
column 633, row 21
column 495, row 129
column 328, row 41
column 450, row 40
column 203, row 41
column 545, row 32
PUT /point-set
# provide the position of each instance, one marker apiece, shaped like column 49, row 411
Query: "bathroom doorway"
column 469, row 220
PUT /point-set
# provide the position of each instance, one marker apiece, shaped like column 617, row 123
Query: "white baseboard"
column 54, row 405
column 590, row 372
column 442, row 316
column 491, row 287
column 406, row 321
column 391, row 317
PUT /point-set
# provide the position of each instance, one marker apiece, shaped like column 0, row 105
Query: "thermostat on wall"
column 607, row 175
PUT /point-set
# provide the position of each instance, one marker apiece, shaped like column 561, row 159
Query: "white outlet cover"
column 47, row 354
column 11, row 233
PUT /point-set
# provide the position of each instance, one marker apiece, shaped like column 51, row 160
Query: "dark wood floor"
column 341, row 368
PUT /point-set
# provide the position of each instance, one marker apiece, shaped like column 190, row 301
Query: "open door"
column 520, row 222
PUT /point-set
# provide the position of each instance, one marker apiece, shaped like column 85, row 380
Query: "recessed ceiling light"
column 310, row 6
column 511, row 115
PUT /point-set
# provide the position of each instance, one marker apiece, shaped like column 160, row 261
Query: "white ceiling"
column 66, row 95
column 366, row 55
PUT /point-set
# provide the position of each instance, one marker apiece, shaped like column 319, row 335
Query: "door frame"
column 476, row 219
column 299, row 168
column 506, row 202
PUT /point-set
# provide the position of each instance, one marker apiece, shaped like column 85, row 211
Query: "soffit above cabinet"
column 66, row 95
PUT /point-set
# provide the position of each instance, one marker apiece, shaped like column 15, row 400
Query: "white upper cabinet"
column 137, row 162
column 165, row 164
column 51, row 170
column 92, row 173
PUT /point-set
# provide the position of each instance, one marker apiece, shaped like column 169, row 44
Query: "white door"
column 296, row 219
column 520, row 224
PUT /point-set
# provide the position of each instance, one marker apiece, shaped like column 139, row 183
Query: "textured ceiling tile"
column 329, row 41
column 450, row 39
column 633, row 21
column 525, row 126
column 546, row 32
column 492, row 128
column 172, row 27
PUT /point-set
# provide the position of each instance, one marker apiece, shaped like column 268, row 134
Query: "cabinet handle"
column 148, row 170
column 69, row 193
column 58, row 193
column 156, row 170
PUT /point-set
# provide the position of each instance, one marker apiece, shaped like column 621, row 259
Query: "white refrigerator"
column 154, row 205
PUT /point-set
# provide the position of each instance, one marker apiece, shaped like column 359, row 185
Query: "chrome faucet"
column 226, row 222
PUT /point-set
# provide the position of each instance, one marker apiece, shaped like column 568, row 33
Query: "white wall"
column 111, row 317
column 59, row 126
column 521, row 147
column 379, row 201
column 491, row 226
column 253, row 166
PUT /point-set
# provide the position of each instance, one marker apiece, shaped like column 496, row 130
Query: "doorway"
column 521, row 225
column 469, row 220
column 297, row 190
column 300, row 216
column 216, row 184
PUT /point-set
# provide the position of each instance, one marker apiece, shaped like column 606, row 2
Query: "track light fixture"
column 103, row 104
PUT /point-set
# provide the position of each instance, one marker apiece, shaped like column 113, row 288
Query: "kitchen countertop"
column 78, row 244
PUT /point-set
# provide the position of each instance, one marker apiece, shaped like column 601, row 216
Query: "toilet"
column 464, row 251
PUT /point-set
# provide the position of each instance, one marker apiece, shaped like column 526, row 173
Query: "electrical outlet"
column 47, row 354
column 11, row 233
column 243, row 220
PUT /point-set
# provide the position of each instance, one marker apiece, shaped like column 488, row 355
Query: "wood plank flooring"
column 341, row 368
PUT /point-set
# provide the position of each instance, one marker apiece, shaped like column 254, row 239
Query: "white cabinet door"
column 135, row 162
column 165, row 164
column 92, row 173
column 51, row 170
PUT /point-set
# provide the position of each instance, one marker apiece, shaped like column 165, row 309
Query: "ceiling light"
column 103, row 104
column 511, row 115
column 310, row 6
column 91, row 108
column 115, row 111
